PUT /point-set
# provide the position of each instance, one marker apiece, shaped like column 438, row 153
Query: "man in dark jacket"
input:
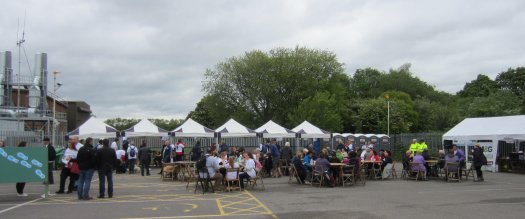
column 224, row 147
column 478, row 161
column 106, row 160
column 86, row 164
column 144, row 158
column 51, row 157
column 196, row 151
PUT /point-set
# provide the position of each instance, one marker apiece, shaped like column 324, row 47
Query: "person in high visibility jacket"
column 422, row 146
column 414, row 147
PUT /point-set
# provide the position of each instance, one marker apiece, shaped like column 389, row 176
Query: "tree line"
column 290, row 85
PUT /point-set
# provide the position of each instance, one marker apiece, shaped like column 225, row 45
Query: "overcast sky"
column 146, row 59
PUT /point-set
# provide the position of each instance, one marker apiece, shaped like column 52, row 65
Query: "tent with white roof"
column 145, row 128
column 274, row 130
column 488, row 132
column 307, row 130
column 233, row 128
column 191, row 128
column 94, row 128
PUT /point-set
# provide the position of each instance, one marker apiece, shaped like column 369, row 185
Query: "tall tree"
column 481, row 87
column 259, row 86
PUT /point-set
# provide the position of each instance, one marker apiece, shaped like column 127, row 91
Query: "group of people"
column 418, row 155
column 81, row 159
column 307, row 162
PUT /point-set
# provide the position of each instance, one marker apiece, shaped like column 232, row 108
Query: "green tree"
column 259, row 86
column 513, row 80
column 167, row 124
column 501, row 103
column 481, row 87
column 121, row 123
column 321, row 110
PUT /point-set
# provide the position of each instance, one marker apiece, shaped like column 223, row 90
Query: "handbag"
column 73, row 167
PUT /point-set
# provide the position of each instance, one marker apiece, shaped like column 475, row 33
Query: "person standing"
column 223, row 147
column 86, row 164
column 132, row 152
column 74, row 140
column 478, row 161
column 69, row 160
column 105, row 162
column 21, row 185
column 196, row 151
column 414, row 147
column 144, row 158
column 179, row 150
column 114, row 144
column 276, row 155
column 51, row 157
column 287, row 155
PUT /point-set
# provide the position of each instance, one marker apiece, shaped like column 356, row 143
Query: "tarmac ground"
column 137, row 197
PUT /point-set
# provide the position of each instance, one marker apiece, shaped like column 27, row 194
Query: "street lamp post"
column 55, row 88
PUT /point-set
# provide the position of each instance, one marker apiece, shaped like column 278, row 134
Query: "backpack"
column 201, row 163
column 132, row 152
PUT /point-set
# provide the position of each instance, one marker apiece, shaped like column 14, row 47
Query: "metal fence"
column 33, row 138
column 399, row 143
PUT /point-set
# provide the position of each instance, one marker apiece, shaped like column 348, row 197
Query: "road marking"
column 19, row 205
column 264, row 206
column 193, row 206
column 192, row 216
column 221, row 210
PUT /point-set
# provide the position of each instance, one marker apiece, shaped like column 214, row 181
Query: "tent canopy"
column 274, row 130
column 233, row 128
column 145, row 128
column 190, row 128
column 488, row 128
column 94, row 128
column 307, row 130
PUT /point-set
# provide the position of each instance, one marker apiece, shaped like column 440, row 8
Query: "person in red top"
column 374, row 156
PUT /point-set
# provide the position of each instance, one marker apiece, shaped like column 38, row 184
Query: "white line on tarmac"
column 19, row 205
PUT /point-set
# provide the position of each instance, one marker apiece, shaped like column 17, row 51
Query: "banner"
column 23, row 164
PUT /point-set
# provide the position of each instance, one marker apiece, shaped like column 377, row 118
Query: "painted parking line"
column 20, row 205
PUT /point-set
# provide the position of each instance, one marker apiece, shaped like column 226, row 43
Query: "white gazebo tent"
column 233, row 128
column 190, row 128
column 94, row 128
column 274, row 130
column 193, row 131
column 236, row 134
column 145, row 128
column 488, row 132
column 307, row 130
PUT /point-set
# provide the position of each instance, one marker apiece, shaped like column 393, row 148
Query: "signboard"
column 23, row 164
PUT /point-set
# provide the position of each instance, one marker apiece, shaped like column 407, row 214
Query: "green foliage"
column 260, row 86
column 321, row 110
column 167, row 124
column 122, row 124
column 500, row 103
column 293, row 85
column 481, row 87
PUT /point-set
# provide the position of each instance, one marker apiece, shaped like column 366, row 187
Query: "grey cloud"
column 147, row 58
